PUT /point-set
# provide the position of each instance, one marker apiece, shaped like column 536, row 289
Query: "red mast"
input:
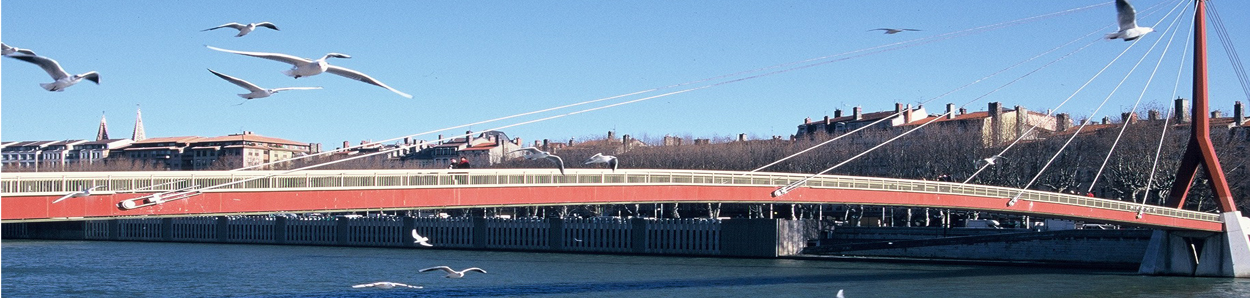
column 1199, row 150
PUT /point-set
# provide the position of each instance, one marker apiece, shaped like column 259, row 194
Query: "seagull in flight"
column 257, row 91
column 1128, row 23
column 386, row 285
column 600, row 158
column 305, row 67
column 244, row 29
column 989, row 161
column 453, row 273
column 532, row 153
column 7, row 50
column 63, row 79
column 893, row 30
column 423, row 241
column 78, row 194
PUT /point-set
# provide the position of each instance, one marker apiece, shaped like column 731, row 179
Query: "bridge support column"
column 410, row 223
column 1184, row 253
column 279, row 230
column 555, row 234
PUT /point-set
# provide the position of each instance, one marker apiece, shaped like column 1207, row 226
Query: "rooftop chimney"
column 963, row 111
column 827, row 120
column 996, row 109
column 1062, row 122
column 1153, row 115
column 807, row 120
column 346, row 144
column 611, row 135
column 1239, row 113
column 950, row 111
column 1215, row 114
column 1106, row 120
column 857, row 113
column 837, row 113
column 1127, row 117
column 1181, row 112
column 742, row 137
column 1022, row 120
column 907, row 114
column 898, row 108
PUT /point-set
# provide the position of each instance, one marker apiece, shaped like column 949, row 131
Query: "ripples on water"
column 155, row 269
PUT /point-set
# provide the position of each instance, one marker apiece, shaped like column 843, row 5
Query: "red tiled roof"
column 252, row 138
column 183, row 139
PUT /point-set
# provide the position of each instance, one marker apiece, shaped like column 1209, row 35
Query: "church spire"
column 103, row 132
column 138, row 134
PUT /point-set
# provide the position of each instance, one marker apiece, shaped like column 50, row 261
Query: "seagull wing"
column 284, row 58
column 527, row 150
column 231, row 25
column 612, row 161
column 475, row 269
column 365, row 285
column 48, row 65
column 558, row 161
column 64, row 197
column 444, row 268
column 276, row 90
column 237, row 81
column 356, row 75
column 267, row 25
column 1127, row 15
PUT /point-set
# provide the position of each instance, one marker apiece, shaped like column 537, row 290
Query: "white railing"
column 60, row 183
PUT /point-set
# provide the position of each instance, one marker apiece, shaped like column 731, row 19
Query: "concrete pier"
column 1186, row 253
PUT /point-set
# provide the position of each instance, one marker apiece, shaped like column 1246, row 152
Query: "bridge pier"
column 1188, row 253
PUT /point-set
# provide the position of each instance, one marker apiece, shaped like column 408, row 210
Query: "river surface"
column 40, row 268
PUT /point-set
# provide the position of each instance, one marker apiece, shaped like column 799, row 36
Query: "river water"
column 38, row 268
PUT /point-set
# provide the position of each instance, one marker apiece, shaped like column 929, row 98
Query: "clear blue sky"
column 466, row 61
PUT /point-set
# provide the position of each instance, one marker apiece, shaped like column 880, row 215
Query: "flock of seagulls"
column 301, row 67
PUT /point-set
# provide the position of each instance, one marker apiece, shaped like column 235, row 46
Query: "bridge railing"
column 60, row 183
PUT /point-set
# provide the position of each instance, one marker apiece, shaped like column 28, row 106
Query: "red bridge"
column 28, row 196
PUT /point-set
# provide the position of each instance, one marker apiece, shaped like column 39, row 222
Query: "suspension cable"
column 1061, row 104
column 1180, row 69
column 879, row 49
column 1087, row 120
column 1149, row 80
column 783, row 190
column 1047, row 52
column 1229, row 49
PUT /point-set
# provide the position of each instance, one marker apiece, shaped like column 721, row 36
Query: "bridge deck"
column 28, row 196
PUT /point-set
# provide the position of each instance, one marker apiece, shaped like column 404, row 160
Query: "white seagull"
column 257, row 91
column 305, row 67
column 600, row 158
column 63, row 79
column 453, row 273
column 989, row 161
column 893, row 30
column 244, row 29
column 1128, row 23
column 386, row 285
column 532, row 153
column 78, row 194
column 7, row 50
column 423, row 241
